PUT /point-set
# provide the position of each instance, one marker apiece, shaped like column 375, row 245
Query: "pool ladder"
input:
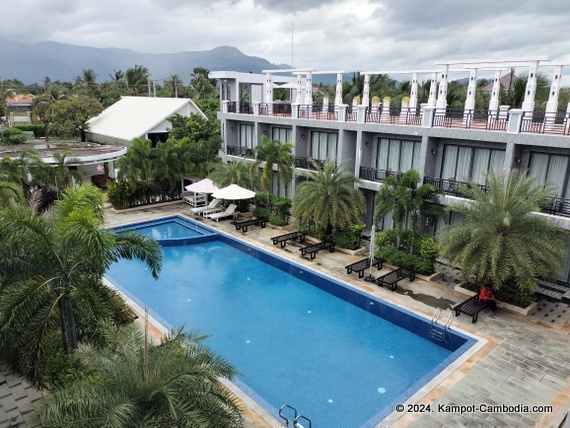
column 440, row 332
column 295, row 422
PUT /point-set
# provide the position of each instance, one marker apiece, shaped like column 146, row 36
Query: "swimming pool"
column 341, row 357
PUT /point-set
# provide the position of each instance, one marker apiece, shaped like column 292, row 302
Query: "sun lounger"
column 229, row 212
column 282, row 239
column 212, row 205
column 362, row 265
column 391, row 279
column 312, row 250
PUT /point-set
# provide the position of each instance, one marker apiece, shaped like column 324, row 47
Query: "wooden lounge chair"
column 361, row 266
column 391, row 279
column 471, row 307
column 212, row 205
column 312, row 250
column 244, row 224
column 282, row 239
column 229, row 212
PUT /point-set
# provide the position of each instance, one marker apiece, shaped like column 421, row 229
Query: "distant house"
column 19, row 109
column 138, row 117
column 505, row 82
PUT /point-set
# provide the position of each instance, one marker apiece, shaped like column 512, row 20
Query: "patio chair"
column 229, row 212
column 214, row 204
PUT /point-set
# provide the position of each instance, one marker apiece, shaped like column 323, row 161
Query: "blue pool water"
column 338, row 363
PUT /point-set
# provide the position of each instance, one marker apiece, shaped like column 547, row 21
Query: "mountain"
column 31, row 63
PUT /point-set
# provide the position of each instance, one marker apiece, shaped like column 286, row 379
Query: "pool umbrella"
column 203, row 186
column 370, row 278
column 233, row 192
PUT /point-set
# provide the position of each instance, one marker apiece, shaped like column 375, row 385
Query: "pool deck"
column 525, row 361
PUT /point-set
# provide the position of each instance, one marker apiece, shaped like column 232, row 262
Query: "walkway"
column 526, row 360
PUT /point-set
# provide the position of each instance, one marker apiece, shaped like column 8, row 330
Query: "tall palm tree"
column 273, row 152
column 407, row 201
column 51, row 267
column 328, row 199
column 136, row 80
column 137, row 163
column 499, row 239
column 172, row 384
column 63, row 173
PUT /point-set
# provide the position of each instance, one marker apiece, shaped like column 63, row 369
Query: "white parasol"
column 233, row 192
column 370, row 278
column 203, row 186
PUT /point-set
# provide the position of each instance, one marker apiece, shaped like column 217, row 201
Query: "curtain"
column 283, row 135
column 246, row 136
column 557, row 172
column 480, row 165
column 449, row 162
column 382, row 153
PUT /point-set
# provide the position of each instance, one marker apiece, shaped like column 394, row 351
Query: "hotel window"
column 551, row 169
column 283, row 135
column 470, row 164
column 397, row 155
column 278, row 187
column 246, row 136
column 323, row 145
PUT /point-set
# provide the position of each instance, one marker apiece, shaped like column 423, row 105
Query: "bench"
column 287, row 237
column 362, row 265
column 553, row 291
column 471, row 307
column 312, row 250
column 391, row 279
column 244, row 224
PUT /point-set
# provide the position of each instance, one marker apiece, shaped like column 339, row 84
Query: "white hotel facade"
column 447, row 146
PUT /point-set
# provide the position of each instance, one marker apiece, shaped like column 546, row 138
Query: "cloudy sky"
column 329, row 35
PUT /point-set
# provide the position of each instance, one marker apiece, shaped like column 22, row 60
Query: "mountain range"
column 31, row 63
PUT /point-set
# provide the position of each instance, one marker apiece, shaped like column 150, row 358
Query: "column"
column 414, row 92
column 441, row 103
column 470, row 100
column 269, row 93
column 299, row 97
column 309, row 89
column 528, row 103
column 552, row 104
column 366, row 91
column 494, row 101
column 432, row 90
column 338, row 94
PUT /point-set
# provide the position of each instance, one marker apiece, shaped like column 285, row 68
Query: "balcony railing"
column 373, row 174
column 554, row 205
column 490, row 120
column 451, row 187
column 306, row 163
column 542, row 122
column 277, row 109
column 396, row 115
column 238, row 151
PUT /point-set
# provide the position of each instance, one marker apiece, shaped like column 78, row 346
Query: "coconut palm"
column 241, row 173
column 327, row 198
column 51, row 267
column 172, row 384
column 273, row 152
column 407, row 202
column 499, row 239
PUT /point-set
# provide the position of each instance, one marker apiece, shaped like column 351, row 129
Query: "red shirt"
column 486, row 294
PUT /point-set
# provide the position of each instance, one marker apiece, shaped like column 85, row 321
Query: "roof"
column 133, row 117
column 505, row 82
column 88, row 153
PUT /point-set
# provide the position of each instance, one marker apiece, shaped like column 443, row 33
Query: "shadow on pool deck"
column 526, row 361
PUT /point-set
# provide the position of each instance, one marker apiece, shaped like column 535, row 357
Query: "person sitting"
column 486, row 296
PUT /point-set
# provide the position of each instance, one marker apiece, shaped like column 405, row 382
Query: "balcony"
column 306, row 163
column 239, row 151
column 553, row 206
column 373, row 174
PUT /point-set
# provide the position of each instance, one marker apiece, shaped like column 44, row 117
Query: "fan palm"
column 328, row 199
column 172, row 384
column 499, row 239
column 51, row 267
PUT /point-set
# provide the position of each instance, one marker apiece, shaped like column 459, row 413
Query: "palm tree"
column 51, row 267
column 136, row 79
column 327, row 198
column 500, row 240
column 406, row 200
column 10, row 194
column 172, row 384
column 273, row 152
column 137, row 163
column 63, row 174
column 240, row 173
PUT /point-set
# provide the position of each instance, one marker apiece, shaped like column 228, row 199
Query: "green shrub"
column 349, row 237
column 12, row 135
column 260, row 200
column 403, row 258
column 37, row 129
column 260, row 212
column 429, row 248
column 275, row 220
column 281, row 207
